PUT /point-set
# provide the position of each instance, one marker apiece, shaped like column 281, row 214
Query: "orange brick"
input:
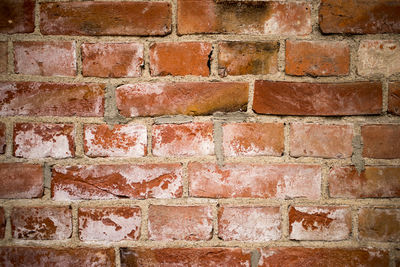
column 379, row 224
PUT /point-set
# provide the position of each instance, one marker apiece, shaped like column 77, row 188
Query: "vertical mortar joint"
column 255, row 257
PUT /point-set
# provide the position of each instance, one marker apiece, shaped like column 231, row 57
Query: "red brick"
column 106, row 18
column 379, row 57
column 187, row 98
column 248, row 17
column 2, row 138
column 41, row 223
column 373, row 182
column 2, row 223
column 112, row 59
column 238, row 180
column 40, row 256
column 180, row 223
column 3, row 57
column 121, row 141
column 199, row 257
column 117, row 181
column 319, row 140
column 327, row 257
column 20, row 180
column 359, row 16
column 241, row 58
column 381, row 141
column 317, row 58
column 45, row 58
column 191, row 139
column 253, row 139
column 109, row 223
column 44, row 140
column 17, row 16
column 319, row 223
column 324, row 99
column 51, row 99
column 394, row 98
column 180, row 59
column 379, row 224
column 249, row 223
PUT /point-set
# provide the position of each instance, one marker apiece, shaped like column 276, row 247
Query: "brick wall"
column 200, row 133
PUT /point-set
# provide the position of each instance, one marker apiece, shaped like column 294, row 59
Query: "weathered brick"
column 379, row 57
column 17, row 16
column 238, row 180
column 41, row 140
column 41, row 223
column 253, row 139
column 373, row 182
column 2, row 138
column 199, row 257
column 117, row 181
column 379, row 224
column 359, row 16
column 249, row 223
column 325, row 99
column 51, row 99
column 246, row 17
column 317, row 58
column 20, row 180
column 112, row 59
column 3, row 57
column 188, row 98
column 381, row 141
column 319, row 140
column 106, row 18
column 45, row 58
column 180, row 59
column 180, row 223
column 241, row 58
column 394, row 98
column 109, row 223
column 191, row 139
column 319, row 223
column 329, row 257
column 41, row 257
column 2, row 223
column 121, row 141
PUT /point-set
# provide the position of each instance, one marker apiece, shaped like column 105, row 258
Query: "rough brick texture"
column 379, row 224
column 394, row 98
column 381, row 141
column 17, row 16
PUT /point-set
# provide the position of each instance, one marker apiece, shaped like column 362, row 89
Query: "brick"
column 381, row 141
column 190, row 139
column 2, row 223
column 259, row 224
column 379, row 57
column 51, row 99
column 45, row 58
column 373, row 182
column 41, row 223
column 317, row 58
column 121, row 141
column 20, row 180
column 253, row 139
column 112, row 59
column 109, row 223
column 187, row 98
column 317, row 99
column 117, row 181
column 2, row 138
column 180, row 223
column 239, row 180
column 40, row 256
column 241, row 58
column 319, row 223
column 41, row 140
column 330, row 257
column 319, row 140
column 3, row 57
column 17, row 16
column 379, row 224
column 246, row 17
column 359, row 16
column 199, row 257
column 180, row 59
column 106, row 18
column 394, row 98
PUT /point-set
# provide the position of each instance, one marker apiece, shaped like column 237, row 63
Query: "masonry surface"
column 200, row 133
